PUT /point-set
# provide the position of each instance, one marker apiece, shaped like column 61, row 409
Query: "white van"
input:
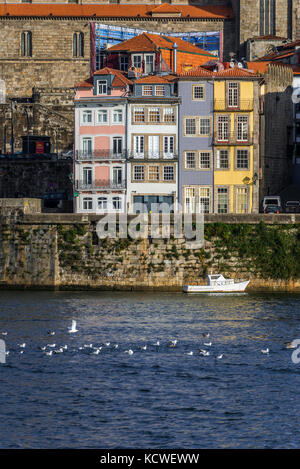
column 272, row 200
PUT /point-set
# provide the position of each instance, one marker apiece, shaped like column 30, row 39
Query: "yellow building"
column 236, row 141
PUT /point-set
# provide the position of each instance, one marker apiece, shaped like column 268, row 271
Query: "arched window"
column 26, row 44
column 78, row 45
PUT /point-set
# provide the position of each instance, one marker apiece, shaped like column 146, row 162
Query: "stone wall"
column 38, row 252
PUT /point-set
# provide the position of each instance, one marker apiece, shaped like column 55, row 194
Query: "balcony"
column 95, row 155
column 100, row 184
column 243, row 105
column 153, row 156
column 232, row 139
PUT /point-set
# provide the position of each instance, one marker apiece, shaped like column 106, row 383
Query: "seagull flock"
column 53, row 348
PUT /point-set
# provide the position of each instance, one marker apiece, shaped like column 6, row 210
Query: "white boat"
column 217, row 283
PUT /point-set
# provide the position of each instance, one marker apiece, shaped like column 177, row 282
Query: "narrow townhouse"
column 236, row 140
column 153, row 145
column 196, row 90
column 101, row 142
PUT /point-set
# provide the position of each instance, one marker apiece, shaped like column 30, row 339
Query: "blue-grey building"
column 195, row 188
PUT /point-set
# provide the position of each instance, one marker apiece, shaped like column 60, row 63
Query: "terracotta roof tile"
column 156, row 79
column 122, row 79
column 85, row 84
column 229, row 72
column 152, row 42
column 110, row 11
column 165, row 8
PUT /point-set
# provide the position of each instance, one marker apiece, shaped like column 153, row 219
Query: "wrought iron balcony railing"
column 152, row 156
column 243, row 105
column 82, row 155
column 232, row 138
column 101, row 184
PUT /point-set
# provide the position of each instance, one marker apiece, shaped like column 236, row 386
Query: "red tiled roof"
column 152, row 42
column 235, row 72
column 260, row 67
column 85, row 84
column 110, row 11
column 165, row 8
column 120, row 78
column 156, row 79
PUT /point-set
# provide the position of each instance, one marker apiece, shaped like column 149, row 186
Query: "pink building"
column 100, row 142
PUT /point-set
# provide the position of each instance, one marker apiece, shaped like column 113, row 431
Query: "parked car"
column 272, row 209
column 272, row 200
column 292, row 206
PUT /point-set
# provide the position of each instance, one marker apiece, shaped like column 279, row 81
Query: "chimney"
column 175, row 58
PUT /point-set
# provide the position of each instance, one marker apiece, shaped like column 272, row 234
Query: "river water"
column 160, row 397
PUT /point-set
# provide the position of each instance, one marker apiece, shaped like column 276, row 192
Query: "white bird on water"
column 96, row 352
column 204, row 353
column 173, row 343
column 190, row 353
column 206, row 335
column 220, row 356
column 208, row 344
column 130, row 352
column 266, row 351
column 73, row 327
column 22, row 345
column 51, row 333
column 4, row 333
column 49, row 353
column 144, row 347
column 51, row 345
column 157, row 343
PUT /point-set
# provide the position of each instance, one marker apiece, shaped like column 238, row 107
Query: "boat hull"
column 229, row 288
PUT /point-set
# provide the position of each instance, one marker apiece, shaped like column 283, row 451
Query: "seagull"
column 173, row 343
column 107, row 344
column 157, row 343
column 190, row 353
column 96, row 352
column 88, row 345
column 60, row 350
column 208, row 344
column 23, row 345
column 51, row 345
column 42, row 348
column 7, row 353
column 144, row 347
column 116, row 346
column 22, row 351
column 206, row 335
column 204, row 353
column 73, row 328
column 265, row 351
column 4, row 333
column 49, row 353
column 51, row 333
column 65, row 347
column 130, row 352
column 220, row 356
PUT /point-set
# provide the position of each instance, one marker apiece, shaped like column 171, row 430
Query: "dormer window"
column 147, row 90
column 101, row 87
column 149, row 63
column 159, row 90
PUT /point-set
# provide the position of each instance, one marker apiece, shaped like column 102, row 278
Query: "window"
column 117, row 145
column 87, row 203
column 153, row 173
column 139, row 114
column 222, row 200
column 190, row 160
column 117, row 175
column 26, row 44
column 242, row 159
column 153, row 146
column 137, row 61
column 139, row 146
column 147, row 90
column 198, row 92
column 99, row 60
column 159, row 90
column 223, row 128
column 101, row 87
column 78, row 45
column 86, row 117
column 124, row 63
column 242, row 128
column 117, row 116
column 241, row 200
column 204, row 160
column 222, row 159
column 169, row 146
column 168, row 173
column 154, row 114
column 87, row 174
column 117, row 203
column 149, row 63
column 204, row 199
column 102, row 116
column 87, row 145
column 102, row 203
column 190, row 199
column 190, row 126
column 233, row 95
column 169, row 114
column 139, row 173
column 204, row 126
